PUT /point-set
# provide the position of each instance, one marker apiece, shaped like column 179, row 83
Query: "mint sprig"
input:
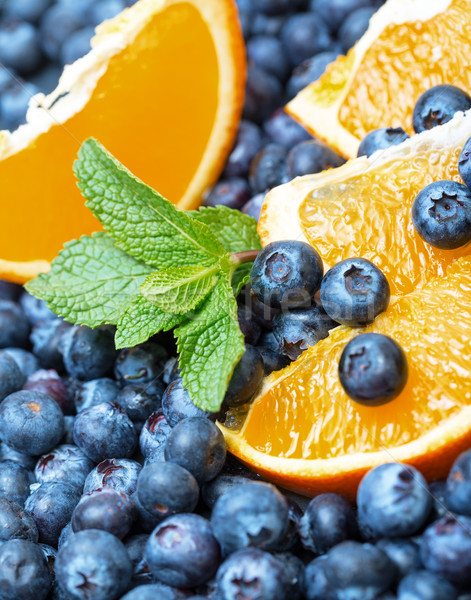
column 153, row 269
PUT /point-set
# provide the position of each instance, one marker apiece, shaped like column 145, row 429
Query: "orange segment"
column 410, row 46
column 162, row 89
column 303, row 432
column 363, row 208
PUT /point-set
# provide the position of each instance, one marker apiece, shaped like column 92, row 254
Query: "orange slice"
column 305, row 434
column 410, row 46
column 162, row 89
column 363, row 207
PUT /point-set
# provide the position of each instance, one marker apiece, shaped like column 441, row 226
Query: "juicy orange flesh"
column 171, row 65
column 369, row 216
column 380, row 95
column 306, row 414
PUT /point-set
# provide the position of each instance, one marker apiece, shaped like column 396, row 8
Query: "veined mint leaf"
column 210, row 345
column 240, row 277
column 236, row 231
column 179, row 289
column 141, row 221
column 142, row 320
column 91, row 281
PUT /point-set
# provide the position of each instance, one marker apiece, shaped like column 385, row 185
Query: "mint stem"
column 237, row 258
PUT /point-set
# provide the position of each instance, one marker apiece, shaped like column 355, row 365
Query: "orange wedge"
column 410, row 46
column 305, row 434
column 363, row 207
column 162, row 89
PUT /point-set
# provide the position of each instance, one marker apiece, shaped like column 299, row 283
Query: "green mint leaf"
column 179, row 289
column 240, row 277
column 140, row 321
column 91, row 281
column 236, row 231
column 210, row 345
column 141, row 221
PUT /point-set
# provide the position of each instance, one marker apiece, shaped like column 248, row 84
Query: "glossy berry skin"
column 268, row 168
column 135, row 547
column 31, row 422
column 458, row 485
column 152, row 591
column 263, row 94
column 176, row 404
column 248, row 142
column 249, row 325
column 16, row 523
column 15, row 480
column 52, row 505
column 354, row 27
column 104, row 509
column 464, row 163
column 165, row 489
column 19, row 46
column 445, row 549
column 300, row 328
column 28, row 10
column 77, row 45
column 246, row 378
column 64, row 463
column 46, row 340
column 8, row 453
column 138, row 403
column 57, row 24
column 373, row 369
column 47, row 381
column 120, row 474
column 393, row 501
column 334, row 12
column 93, row 560
column 95, row 391
column 381, row 138
column 198, row 446
column 105, row 431
column 354, row 292
column 23, row 571
column 253, row 207
column 328, row 520
column 26, row 361
column 215, row 488
column 35, row 310
column 315, row 584
column 441, row 214
column 404, row 553
column 304, row 35
column 422, row 585
column 141, row 365
column 250, row 515
column 438, row 105
column 252, row 573
column 267, row 53
column 308, row 71
column 311, row 156
column 153, row 436
column 282, row 129
column 287, row 274
column 182, row 551
column 233, row 193
column 88, row 353
column 14, row 327
column 11, row 377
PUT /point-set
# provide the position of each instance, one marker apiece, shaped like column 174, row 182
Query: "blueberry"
column 65, row 463
column 393, row 501
column 329, row 519
column 441, row 214
column 8, row 453
column 101, row 10
column 93, row 564
column 253, row 207
column 198, row 446
column 28, row 10
column 438, row 492
column 268, row 168
column 26, row 361
column 138, row 403
column 8, row 290
column 16, row 523
column 47, row 381
column 334, row 12
column 14, row 327
column 438, row 105
column 34, row 309
column 287, row 274
column 14, row 102
column 46, row 79
column 15, row 480
column 57, row 25
column 458, row 485
column 422, row 585
column 373, row 369
column 23, row 571
column 261, row 24
column 248, row 324
column 272, row 361
column 304, row 35
column 104, row 509
column 223, row 482
column 268, row 54
column 31, row 422
column 311, row 157
column 120, row 474
column 354, row 26
column 176, row 404
column 142, row 365
column 153, row 591
column 404, row 553
column 354, row 292
column 292, row 538
column 153, row 436
column 88, row 353
column 381, row 138
column 51, row 505
column 248, row 142
column 252, row 573
column 95, row 391
column 283, row 130
column 11, row 377
column 233, row 193
column 309, row 71
column 135, row 547
column 105, row 431
column 46, row 339
column 165, row 489
column 246, row 378
column 300, row 328
column 275, row 7
column 182, row 551
column 263, row 94
column 464, row 163
column 315, row 584
column 250, row 515
column 77, row 45
column 293, row 571
column 19, row 46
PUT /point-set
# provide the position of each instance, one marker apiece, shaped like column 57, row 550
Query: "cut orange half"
column 303, row 432
column 162, row 89
column 409, row 47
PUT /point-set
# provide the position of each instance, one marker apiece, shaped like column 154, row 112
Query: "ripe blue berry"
column 14, row 326
column 23, row 571
column 381, row 138
column 422, row 584
column 308, row 71
column 464, row 163
column 441, row 214
column 77, row 45
column 11, row 377
column 354, row 27
column 16, row 523
column 334, row 12
column 95, row 391
column 104, row 509
column 28, row 10
column 120, row 474
column 438, row 105
column 263, row 94
column 15, row 480
column 458, row 485
column 19, row 46
column 303, row 36
column 141, row 365
column 233, row 193
column 88, row 353
column 267, row 169
column 282, row 129
column 248, row 143
column 48, row 382
column 246, row 378
column 404, row 553
column 268, row 54
column 153, row 436
column 311, row 156
column 64, row 463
